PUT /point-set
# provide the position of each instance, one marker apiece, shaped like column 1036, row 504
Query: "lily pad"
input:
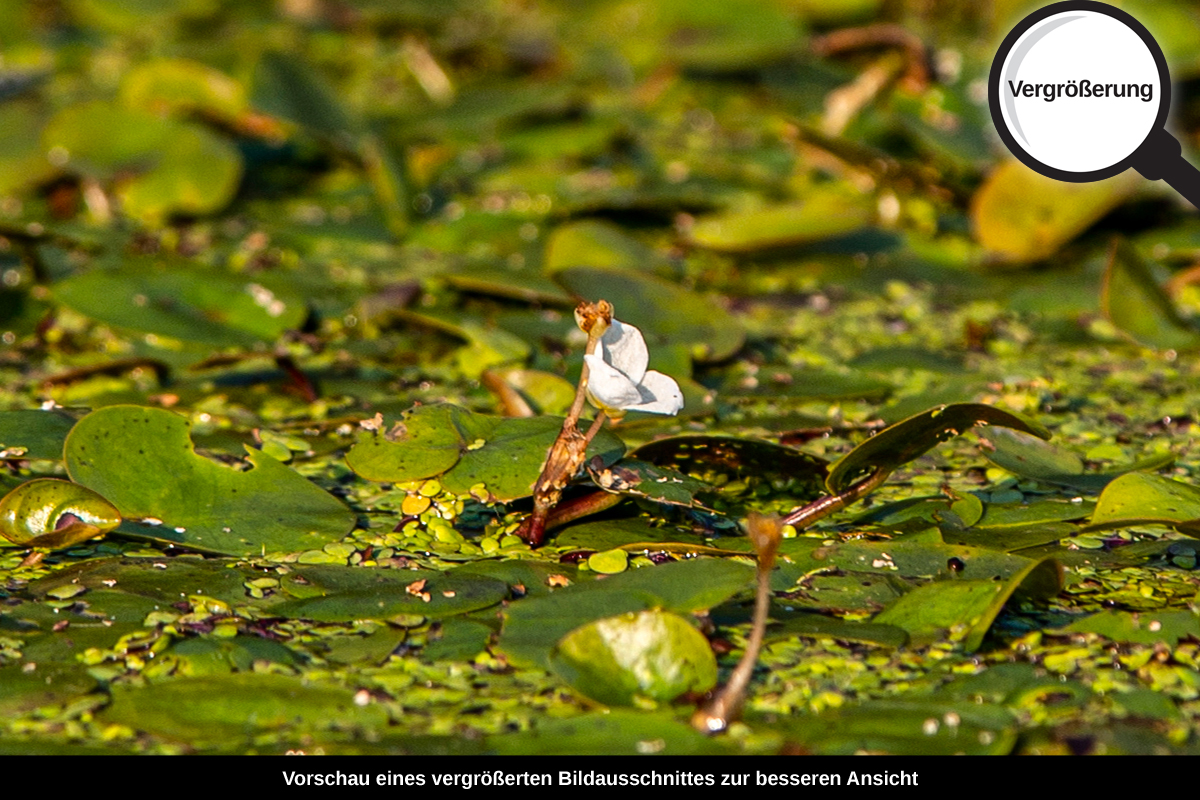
column 1148, row 627
column 1022, row 216
column 811, row 384
column 424, row 593
column 732, row 456
column 1031, row 458
column 34, row 433
column 620, row 660
column 236, row 708
column 534, row 626
column 823, row 214
column 1135, row 303
column 911, row 438
column 907, row 727
column 123, row 452
column 615, row 732
column 175, row 299
column 466, row 449
column 1141, row 499
column 966, row 608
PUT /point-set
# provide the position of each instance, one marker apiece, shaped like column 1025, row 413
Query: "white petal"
column 609, row 387
column 625, row 349
column 660, row 394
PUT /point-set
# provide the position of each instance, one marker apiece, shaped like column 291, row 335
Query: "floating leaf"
column 906, row 727
column 181, row 87
column 615, row 732
column 811, row 384
column 966, row 608
column 1022, row 216
column 620, row 660
column 819, row 626
column 1149, row 627
column 423, row 593
column 51, row 513
column 1140, row 499
column 910, row 438
column 124, row 452
column 534, row 626
column 232, row 709
column 593, row 243
column 504, row 454
column 286, row 86
column 1134, row 302
column 823, row 214
column 666, row 314
column 176, row 300
column 37, row 433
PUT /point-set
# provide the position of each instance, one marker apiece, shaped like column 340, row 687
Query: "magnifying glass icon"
column 1079, row 91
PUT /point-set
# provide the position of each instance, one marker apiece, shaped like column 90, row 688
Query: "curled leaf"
column 51, row 513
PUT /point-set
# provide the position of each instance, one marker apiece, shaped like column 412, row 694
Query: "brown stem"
column 805, row 516
column 766, row 533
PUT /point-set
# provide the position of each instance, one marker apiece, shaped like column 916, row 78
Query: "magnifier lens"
column 1080, row 92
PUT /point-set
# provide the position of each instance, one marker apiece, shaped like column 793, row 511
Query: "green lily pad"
column 665, row 313
column 593, row 243
column 1022, row 216
column 466, row 449
column 823, row 214
column 207, row 655
column 40, row 434
column 425, row 593
column 1148, row 627
column 181, row 87
column 1031, row 458
column 966, row 608
column 175, row 299
column 124, row 453
column 913, row 437
column 191, row 170
column 907, row 727
column 1134, row 302
column 533, row 626
column 819, row 626
column 1140, row 499
column 615, row 732
column 223, row 709
column 620, row 660
column 459, row 640
column 53, row 514
column 811, row 384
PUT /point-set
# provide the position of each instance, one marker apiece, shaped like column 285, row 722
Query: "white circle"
column 1109, row 70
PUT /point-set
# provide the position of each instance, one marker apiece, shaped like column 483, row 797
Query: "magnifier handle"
column 1160, row 158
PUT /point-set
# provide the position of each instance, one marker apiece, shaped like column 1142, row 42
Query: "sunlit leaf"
column 651, row 654
column 1140, row 499
column 123, row 452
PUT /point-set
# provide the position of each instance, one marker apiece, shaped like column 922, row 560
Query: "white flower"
column 618, row 380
